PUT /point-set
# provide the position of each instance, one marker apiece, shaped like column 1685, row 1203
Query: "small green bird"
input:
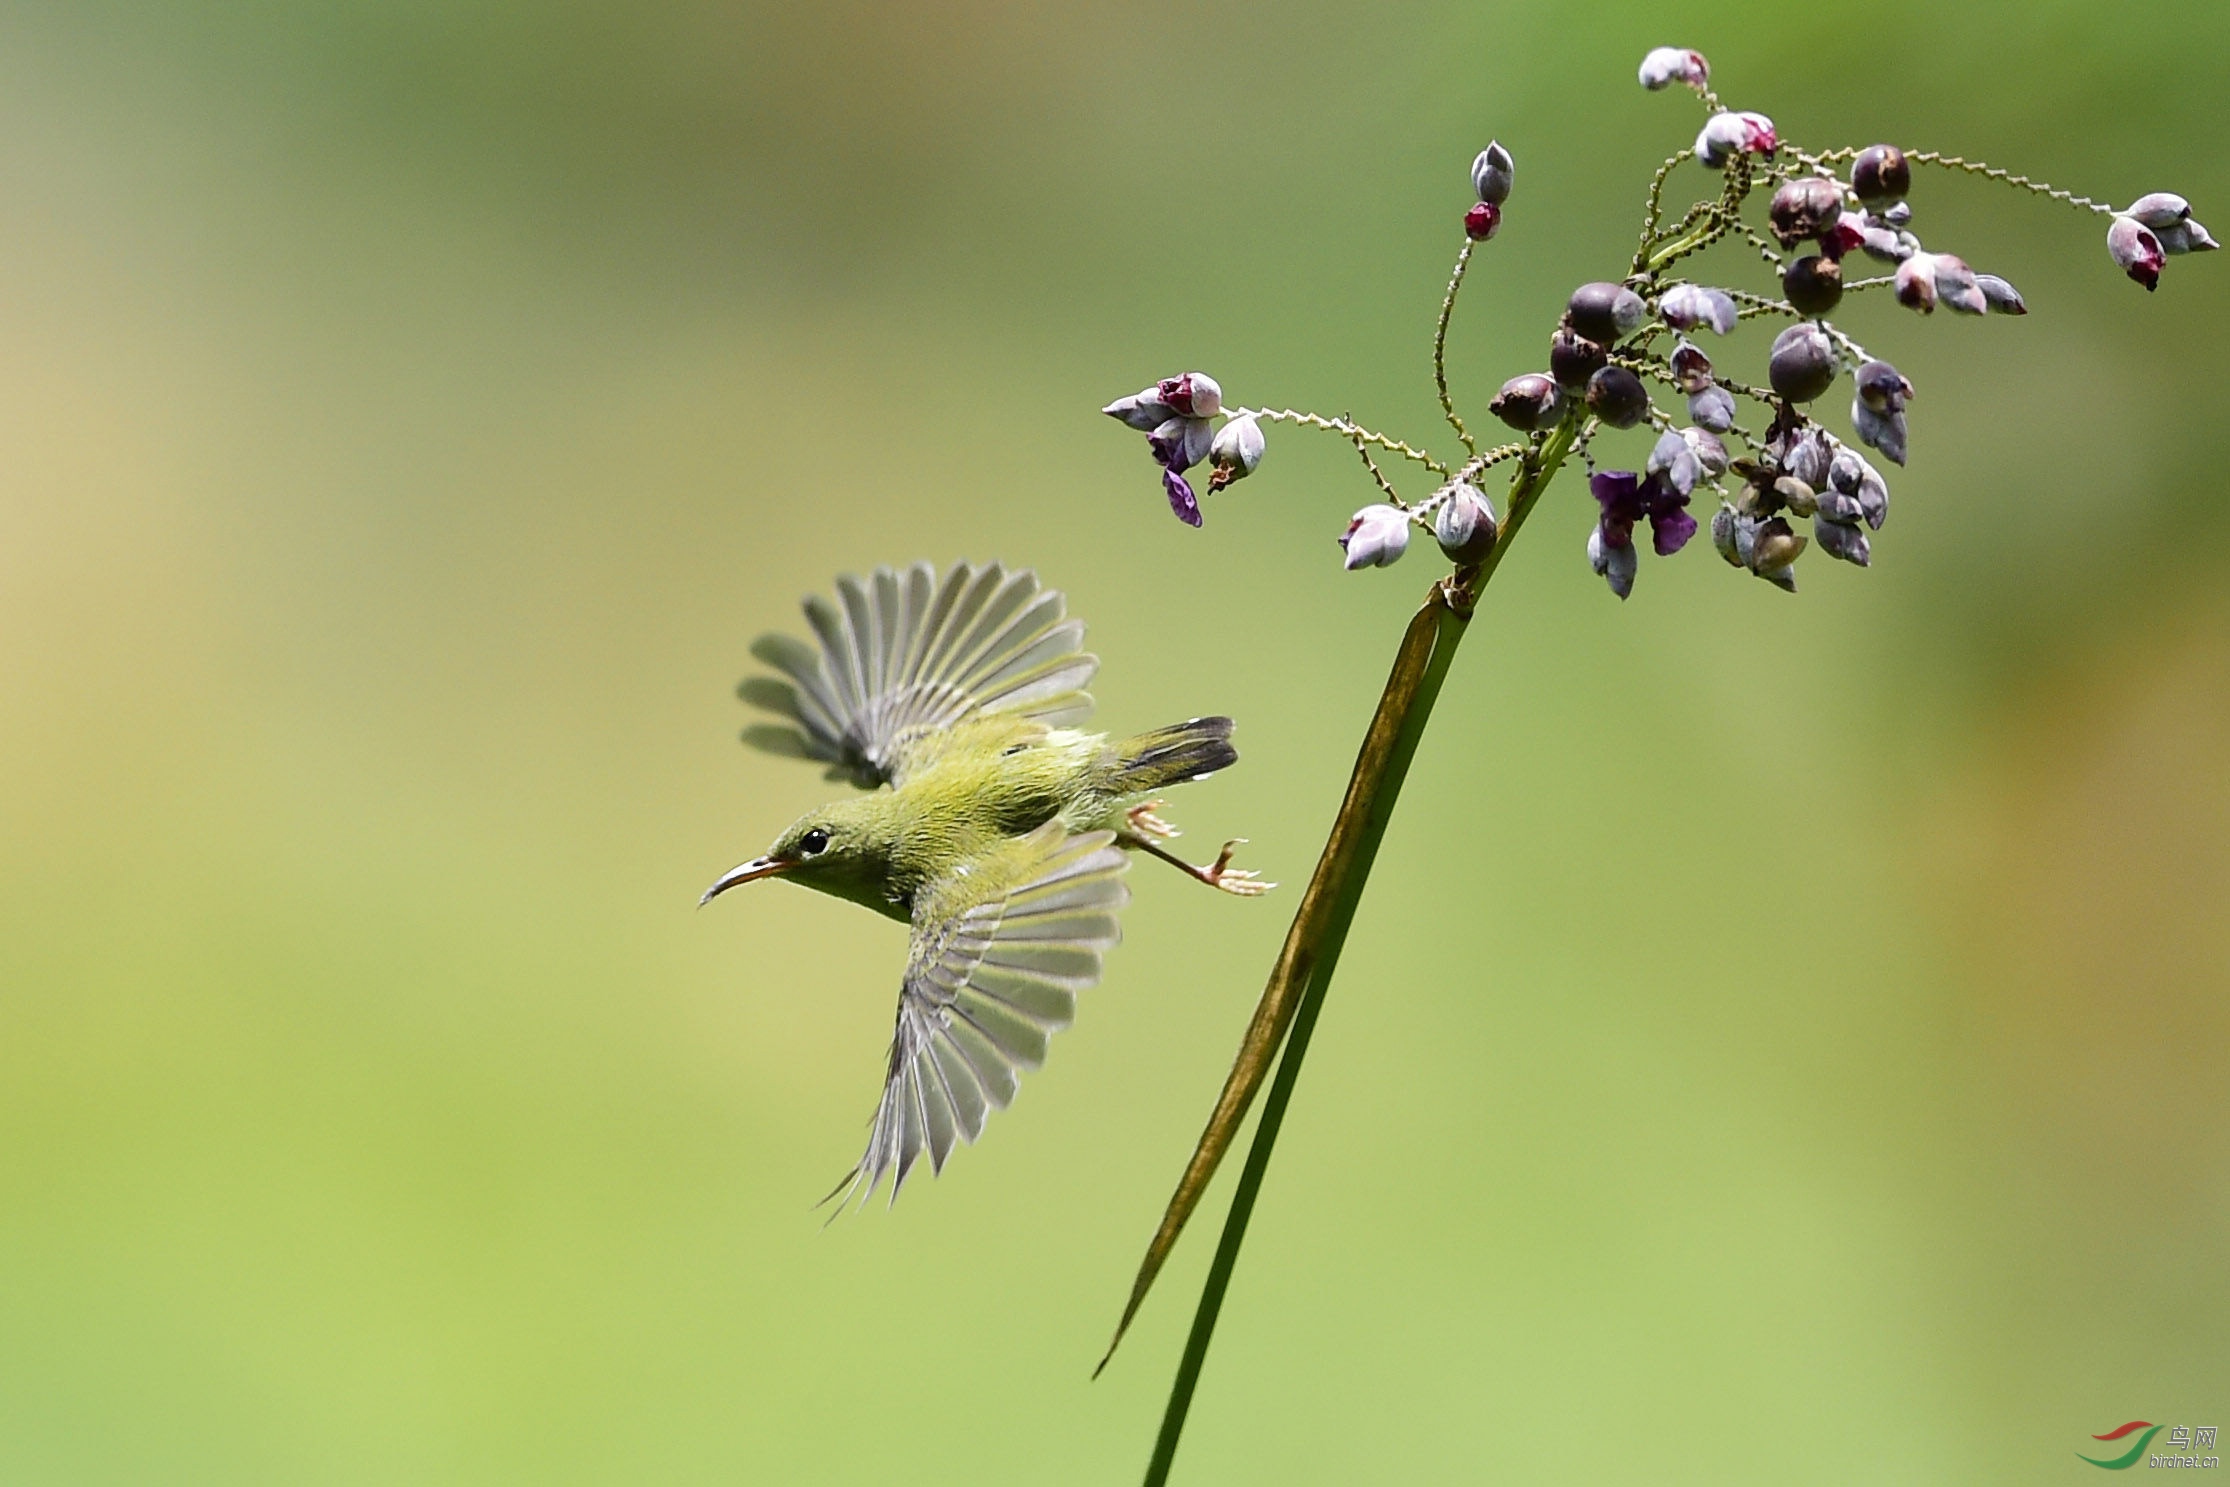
column 1001, row 835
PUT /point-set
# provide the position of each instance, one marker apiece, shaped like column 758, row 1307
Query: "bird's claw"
column 1145, row 823
column 1232, row 880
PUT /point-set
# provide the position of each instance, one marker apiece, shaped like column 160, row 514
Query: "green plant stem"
column 1320, row 928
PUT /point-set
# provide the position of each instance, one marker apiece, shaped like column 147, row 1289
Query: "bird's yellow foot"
column 1218, row 874
column 1146, row 824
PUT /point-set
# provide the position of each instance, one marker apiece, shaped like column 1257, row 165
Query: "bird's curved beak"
column 757, row 867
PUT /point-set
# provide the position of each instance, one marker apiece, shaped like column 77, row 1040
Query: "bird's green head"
column 843, row 849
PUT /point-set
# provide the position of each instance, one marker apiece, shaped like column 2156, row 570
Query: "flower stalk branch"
column 1825, row 213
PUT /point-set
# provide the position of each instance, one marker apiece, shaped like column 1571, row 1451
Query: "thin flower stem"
column 1655, row 212
column 1479, row 464
column 1302, row 976
column 1991, row 172
column 1440, row 347
column 1345, row 430
column 1380, row 476
column 1772, row 255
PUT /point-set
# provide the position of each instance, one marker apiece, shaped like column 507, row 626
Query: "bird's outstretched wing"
column 1000, row 951
column 900, row 653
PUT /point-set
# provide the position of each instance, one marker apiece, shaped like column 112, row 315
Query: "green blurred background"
column 1785, row 1039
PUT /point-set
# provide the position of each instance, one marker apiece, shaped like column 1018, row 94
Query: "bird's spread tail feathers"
column 1170, row 756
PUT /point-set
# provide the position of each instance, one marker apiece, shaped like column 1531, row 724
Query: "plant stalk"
column 1303, row 974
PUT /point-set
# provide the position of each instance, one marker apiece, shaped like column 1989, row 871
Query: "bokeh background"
column 1785, row 1039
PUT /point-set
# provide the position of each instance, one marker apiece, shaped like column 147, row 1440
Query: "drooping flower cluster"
column 2154, row 227
column 1177, row 415
column 1830, row 217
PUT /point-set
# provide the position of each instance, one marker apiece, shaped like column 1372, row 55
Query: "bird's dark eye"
column 813, row 842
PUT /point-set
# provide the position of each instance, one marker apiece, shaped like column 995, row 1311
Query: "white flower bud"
column 1956, row 287
column 2136, row 251
column 1731, row 134
column 1886, row 244
column 2186, row 236
column 1672, row 458
column 1235, row 451
column 1841, row 540
column 1686, row 306
column 1376, row 537
column 1492, row 173
column 2160, row 209
column 1181, row 443
column 1726, row 528
column 1671, row 64
column 2003, row 297
column 1883, row 431
column 1617, row 565
column 1709, row 452
column 1143, row 411
column 1713, row 409
column 1464, row 524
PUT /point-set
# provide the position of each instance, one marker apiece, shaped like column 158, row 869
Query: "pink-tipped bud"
column 1482, row 221
column 1667, row 65
column 1840, row 239
column 1916, row 283
column 1493, row 173
column 1730, row 134
column 2137, row 252
column 1376, row 537
column 1193, row 395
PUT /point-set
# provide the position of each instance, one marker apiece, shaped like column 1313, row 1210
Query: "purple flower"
column 1177, row 415
column 1181, row 499
column 1627, row 498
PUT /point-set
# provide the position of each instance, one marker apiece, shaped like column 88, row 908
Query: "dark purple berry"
column 1617, row 396
column 1880, row 175
column 1813, row 284
column 1606, row 313
column 1573, row 358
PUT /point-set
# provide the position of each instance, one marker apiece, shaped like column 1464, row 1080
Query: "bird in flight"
column 996, row 828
